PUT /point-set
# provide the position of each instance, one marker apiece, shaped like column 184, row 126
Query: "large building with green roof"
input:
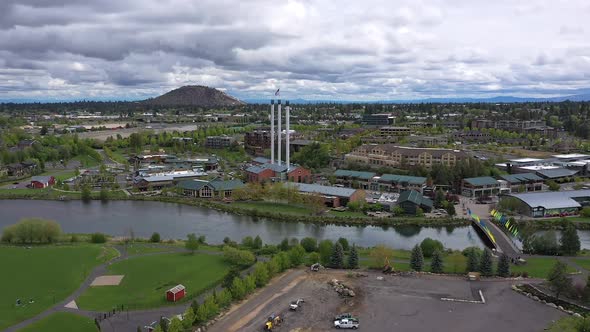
column 483, row 186
column 384, row 183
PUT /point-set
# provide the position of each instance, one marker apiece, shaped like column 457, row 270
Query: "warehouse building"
column 551, row 204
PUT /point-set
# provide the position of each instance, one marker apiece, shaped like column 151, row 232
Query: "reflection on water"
column 175, row 221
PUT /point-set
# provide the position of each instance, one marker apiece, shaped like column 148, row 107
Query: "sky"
column 310, row 49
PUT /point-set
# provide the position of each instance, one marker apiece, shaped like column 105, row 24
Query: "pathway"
column 128, row 320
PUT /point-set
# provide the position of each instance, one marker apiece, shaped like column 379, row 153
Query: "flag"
column 277, row 93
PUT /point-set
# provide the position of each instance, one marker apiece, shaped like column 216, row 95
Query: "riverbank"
column 324, row 219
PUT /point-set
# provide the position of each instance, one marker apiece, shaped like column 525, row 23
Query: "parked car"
column 296, row 304
column 348, row 323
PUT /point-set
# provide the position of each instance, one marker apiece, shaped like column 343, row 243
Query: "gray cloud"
column 311, row 49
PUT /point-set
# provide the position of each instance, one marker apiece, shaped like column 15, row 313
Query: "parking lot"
column 394, row 303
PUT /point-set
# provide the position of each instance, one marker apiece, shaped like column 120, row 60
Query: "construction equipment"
column 316, row 267
column 272, row 322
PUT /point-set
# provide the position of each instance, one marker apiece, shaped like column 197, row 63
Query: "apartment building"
column 389, row 155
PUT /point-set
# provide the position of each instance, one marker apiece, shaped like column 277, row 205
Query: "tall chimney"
column 272, row 131
column 279, row 133
column 287, row 138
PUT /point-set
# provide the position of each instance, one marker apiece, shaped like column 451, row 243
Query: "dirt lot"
column 395, row 303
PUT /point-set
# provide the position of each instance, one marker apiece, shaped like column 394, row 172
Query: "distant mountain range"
column 492, row 100
column 195, row 95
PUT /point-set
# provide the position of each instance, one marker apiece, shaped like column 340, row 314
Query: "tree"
column 191, row 243
column 417, row 259
column 248, row 241
column 86, row 193
column 164, row 324
column 485, row 265
column 472, row 261
column 353, row 258
column 429, row 246
column 284, row 246
column 553, row 186
column 326, row 248
column 419, row 212
column 238, row 290
column 43, row 131
column 155, row 238
column 504, row 266
column 559, row 281
column 175, row 325
column 337, row 258
column 223, row 298
column 272, row 267
column 313, row 258
column 439, row 197
column 309, row 244
column 570, row 241
column 451, row 209
column 344, row 243
column 380, row 254
column 188, row 318
column 296, row 255
column 238, row 257
column 257, row 242
column 98, row 238
column 249, row 284
column 104, row 195
column 314, row 156
column 229, row 277
column 261, row 274
column 436, row 265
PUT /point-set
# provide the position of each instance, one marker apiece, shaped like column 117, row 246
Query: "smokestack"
column 287, row 138
column 279, row 136
column 272, row 131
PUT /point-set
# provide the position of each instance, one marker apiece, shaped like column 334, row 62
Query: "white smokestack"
column 279, row 130
column 272, row 131
column 287, row 138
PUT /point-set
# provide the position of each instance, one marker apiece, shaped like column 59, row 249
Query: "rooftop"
column 557, row 173
column 553, row 199
column 571, row 156
column 403, row 178
column 481, row 181
column 539, row 167
column 325, row 190
column 414, row 197
column 521, row 178
column 354, row 174
column 526, row 160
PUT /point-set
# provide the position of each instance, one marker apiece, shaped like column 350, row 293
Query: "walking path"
column 124, row 321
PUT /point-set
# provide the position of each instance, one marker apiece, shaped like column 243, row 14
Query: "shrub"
column 33, row 230
column 98, row 238
column 155, row 238
column 238, row 257
column 309, row 244
column 429, row 246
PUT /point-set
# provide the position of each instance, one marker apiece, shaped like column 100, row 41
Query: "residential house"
column 411, row 200
column 40, row 182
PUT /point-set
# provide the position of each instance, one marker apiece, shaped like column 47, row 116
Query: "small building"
column 40, row 182
column 353, row 179
column 523, row 182
column 557, row 173
column 332, row 196
column 480, row 187
column 219, row 142
column 411, row 200
column 209, row 189
column 175, row 293
column 276, row 172
column 397, row 183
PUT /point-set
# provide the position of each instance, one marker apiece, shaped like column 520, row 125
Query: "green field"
column 148, row 277
column 538, row 267
column 49, row 193
column 44, row 274
column 86, row 160
column 274, row 207
column 62, row 321
column 583, row 262
column 347, row 214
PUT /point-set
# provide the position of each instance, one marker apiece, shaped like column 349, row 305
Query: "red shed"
column 40, row 182
column 175, row 293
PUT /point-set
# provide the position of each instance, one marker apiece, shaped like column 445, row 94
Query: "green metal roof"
column 403, row 178
column 192, row 184
column 226, row 184
column 354, row 174
column 481, row 181
column 414, row 197
column 521, row 178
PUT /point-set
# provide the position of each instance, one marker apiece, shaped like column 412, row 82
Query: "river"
column 120, row 218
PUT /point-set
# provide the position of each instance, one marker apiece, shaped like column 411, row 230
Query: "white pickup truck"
column 346, row 323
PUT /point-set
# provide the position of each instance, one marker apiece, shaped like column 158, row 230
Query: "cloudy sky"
column 314, row 49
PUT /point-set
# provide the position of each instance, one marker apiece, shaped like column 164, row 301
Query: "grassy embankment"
column 45, row 274
column 62, row 321
column 148, row 277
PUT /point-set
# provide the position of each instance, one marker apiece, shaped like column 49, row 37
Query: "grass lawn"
column 62, row 321
column 583, row 262
column 49, row 193
column 86, row 160
column 347, row 214
column 566, row 324
column 578, row 219
column 538, row 267
column 44, row 274
column 148, row 277
column 274, row 207
column 398, row 254
column 61, row 175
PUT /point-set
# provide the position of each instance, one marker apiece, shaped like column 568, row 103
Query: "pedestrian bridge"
column 483, row 229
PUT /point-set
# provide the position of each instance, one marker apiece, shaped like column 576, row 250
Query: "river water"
column 120, row 218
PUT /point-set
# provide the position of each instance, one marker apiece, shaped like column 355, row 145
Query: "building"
column 388, row 155
column 175, row 293
column 353, row 179
column 556, row 173
column 411, row 200
column 551, row 204
column 390, row 131
column 523, row 182
column 397, row 183
column 26, row 143
column 298, row 144
column 332, row 196
column 219, row 142
column 382, row 119
column 275, row 172
column 424, row 141
column 484, row 186
column 164, row 180
column 20, row 169
column 40, row 182
column 257, row 140
column 472, row 136
column 209, row 189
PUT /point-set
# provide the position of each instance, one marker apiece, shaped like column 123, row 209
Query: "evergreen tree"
column 485, row 265
column 439, row 197
column 558, row 279
column 353, row 258
column 191, row 243
column 570, row 241
column 86, row 193
column 284, row 246
column 238, row 290
column 257, row 242
column 472, row 261
column 261, row 274
column 189, row 318
column 417, row 259
column 436, row 265
column 164, row 324
column 337, row 258
column 344, row 243
column 503, row 266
